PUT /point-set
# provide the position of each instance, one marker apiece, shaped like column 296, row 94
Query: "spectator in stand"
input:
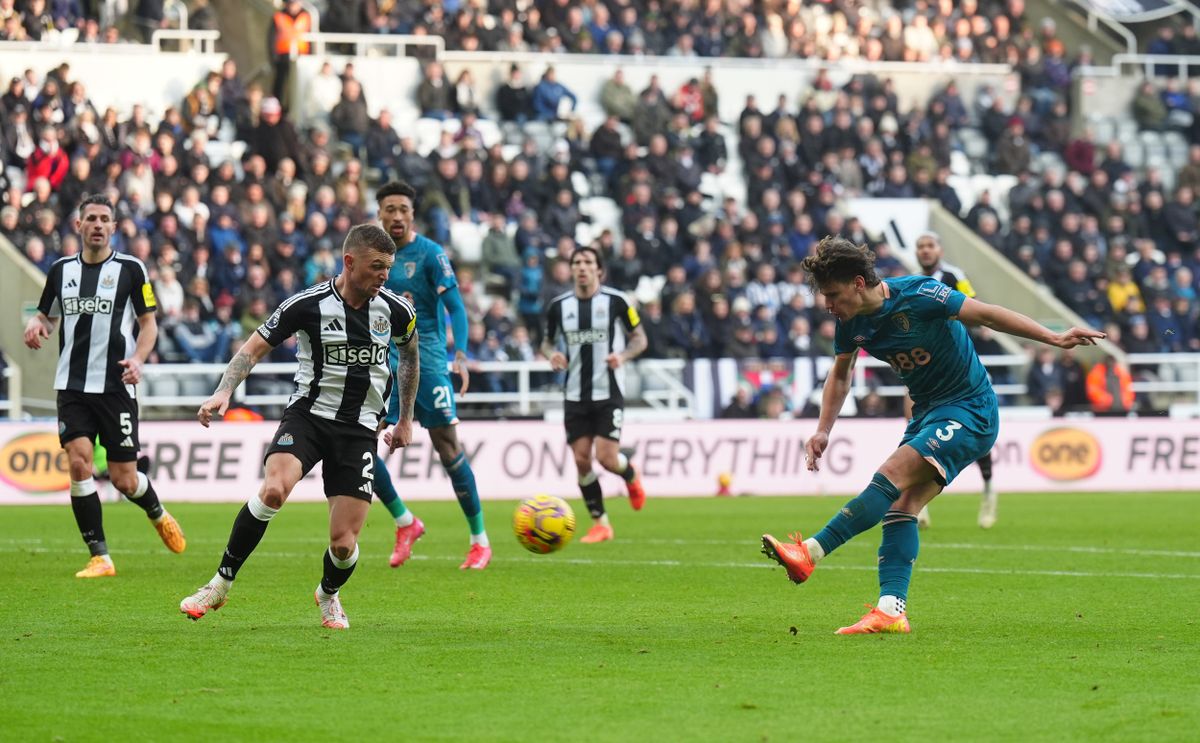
column 274, row 138
column 500, row 255
column 288, row 25
column 1110, row 388
column 47, row 161
column 513, row 98
column 548, row 97
column 617, row 98
column 349, row 117
column 435, row 97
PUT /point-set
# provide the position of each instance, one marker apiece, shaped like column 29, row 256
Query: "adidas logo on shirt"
column 335, row 324
column 71, row 284
column 128, row 442
column 366, row 488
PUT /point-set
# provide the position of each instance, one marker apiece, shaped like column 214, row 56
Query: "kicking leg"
column 346, row 517
column 987, row 506
column 249, row 526
column 593, row 495
column 409, row 528
column 136, row 486
column 462, row 477
column 85, row 505
column 902, row 470
column 611, row 458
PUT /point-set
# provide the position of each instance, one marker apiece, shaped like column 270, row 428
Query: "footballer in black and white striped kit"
column 343, row 328
column 101, row 297
column 600, row 331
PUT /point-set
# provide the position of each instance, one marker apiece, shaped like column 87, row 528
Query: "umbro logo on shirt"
column 335, row 324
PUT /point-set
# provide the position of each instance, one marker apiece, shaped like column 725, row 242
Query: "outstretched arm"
column 833, row 396
column 452, row 300
column 251, row 352
column 974, row 312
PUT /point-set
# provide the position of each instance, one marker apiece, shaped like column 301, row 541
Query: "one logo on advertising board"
column 35, row 463
column 1065, row 454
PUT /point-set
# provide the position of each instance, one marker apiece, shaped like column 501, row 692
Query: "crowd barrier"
column 516, row 459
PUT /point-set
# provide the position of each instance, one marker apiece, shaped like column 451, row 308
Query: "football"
column 544, row 523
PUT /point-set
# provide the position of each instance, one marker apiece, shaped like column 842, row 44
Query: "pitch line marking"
column 734, row 565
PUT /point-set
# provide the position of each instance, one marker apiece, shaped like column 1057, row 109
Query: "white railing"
column 658, row 383
column 12, row 401
column 1147, row 63
column 397, row 45
column 661, row 384
column 1094, row 18
column 189, row 40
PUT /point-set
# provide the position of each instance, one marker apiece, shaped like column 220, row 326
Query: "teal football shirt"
column 916, row 333
column 421, row 269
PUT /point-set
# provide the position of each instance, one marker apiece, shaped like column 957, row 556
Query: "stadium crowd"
column 227, row 241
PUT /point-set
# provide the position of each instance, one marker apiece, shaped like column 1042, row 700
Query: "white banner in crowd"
column 516, row 459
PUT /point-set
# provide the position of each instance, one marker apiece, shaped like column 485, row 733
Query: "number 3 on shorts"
column 947, row 433
column 441, row 397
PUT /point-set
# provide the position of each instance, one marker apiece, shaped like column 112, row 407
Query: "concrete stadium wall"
column 135, row 74
column 397, row 79
column 21, row 286
column 998, row 281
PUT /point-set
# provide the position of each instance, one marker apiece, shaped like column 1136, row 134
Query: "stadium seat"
column 582, row 186
column 960, row 163
column 428, row 133
column 467, row 240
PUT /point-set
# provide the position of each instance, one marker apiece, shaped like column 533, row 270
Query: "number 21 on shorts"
column 442, row 397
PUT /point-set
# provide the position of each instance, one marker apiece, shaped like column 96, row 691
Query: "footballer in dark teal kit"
column 916, row 325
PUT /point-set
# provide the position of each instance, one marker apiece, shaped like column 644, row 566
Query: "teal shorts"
column 435, row 402
column 952, row 436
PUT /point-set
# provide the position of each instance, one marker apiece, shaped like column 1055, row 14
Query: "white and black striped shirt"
column 592, row 328
column 343, row 352
column 98, row 304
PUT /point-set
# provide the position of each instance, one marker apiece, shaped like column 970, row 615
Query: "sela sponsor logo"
column 87, row 306
column 1065, row 454
column 345, row 354
column 591, row 335
column 35, row 463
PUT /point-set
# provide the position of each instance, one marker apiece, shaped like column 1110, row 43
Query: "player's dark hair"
column 595, row 254
column 395, row 188
column 368, row 237
column 97, row 199
column 837, row 260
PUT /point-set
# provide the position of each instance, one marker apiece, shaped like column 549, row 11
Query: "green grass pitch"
column 1074, row 619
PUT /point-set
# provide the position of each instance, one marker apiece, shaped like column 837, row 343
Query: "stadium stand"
column 233, row 202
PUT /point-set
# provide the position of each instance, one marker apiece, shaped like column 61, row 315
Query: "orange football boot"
column 794, row 557
column 877, row 622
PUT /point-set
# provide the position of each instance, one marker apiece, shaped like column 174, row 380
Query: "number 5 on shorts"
column 126, row 424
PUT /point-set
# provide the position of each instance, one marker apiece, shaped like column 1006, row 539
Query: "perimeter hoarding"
column 516, row 459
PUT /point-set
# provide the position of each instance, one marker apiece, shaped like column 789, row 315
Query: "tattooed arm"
column 408, row 375
column 251, row 352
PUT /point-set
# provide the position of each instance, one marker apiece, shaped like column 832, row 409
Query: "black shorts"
column 346, row 449
column 591, row 419
column 111, row 415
